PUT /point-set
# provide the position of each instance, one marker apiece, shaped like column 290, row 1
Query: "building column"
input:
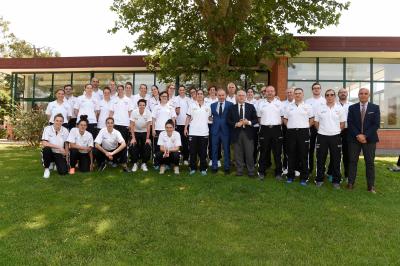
column 279, row 76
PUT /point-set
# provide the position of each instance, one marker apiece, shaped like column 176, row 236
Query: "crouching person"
column 111, row 146
column 54, row 146
column 169, row 142
column 80, row 147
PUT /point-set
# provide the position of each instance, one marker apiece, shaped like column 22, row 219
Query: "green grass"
column 115, row 218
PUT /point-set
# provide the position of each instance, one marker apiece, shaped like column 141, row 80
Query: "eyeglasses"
column 329, row 94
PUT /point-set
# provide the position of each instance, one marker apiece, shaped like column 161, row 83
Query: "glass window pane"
column 331, row 68
column 122, row 78
column 79, row 81
column 354, row 87
column 43, row 86
column 305, row 85
column 387, row 96
column 24, row 86
column 61, row 79
column 357, row 69
column 143, row 78
column 387, row 69
column 302, row 68
column 104, row 79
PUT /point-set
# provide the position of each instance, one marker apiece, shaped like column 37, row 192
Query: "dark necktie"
column 220, row 109
column 241, row 112
column 362, row 117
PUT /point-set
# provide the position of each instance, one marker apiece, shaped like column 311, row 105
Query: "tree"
column 227, row 37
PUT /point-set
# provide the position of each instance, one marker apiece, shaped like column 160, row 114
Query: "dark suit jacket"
column 372, row 121
column 233, row 117
column 220, row 123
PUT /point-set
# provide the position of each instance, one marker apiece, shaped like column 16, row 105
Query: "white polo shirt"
column 329, row 119
column 137, row 97
column 231, row 99
column 87, row 106
column 141, row 120
column 199, row 119
column 71, row 101
column 50, row 135
column 104, row 112
column 121, row 108
column 298, row 115
column 346, row 110
column 54, row 108
column 109, row 141
column 316, row 103
column 270, row 113
column 85, row 140
column 161, row 114
column 98, row 94
column 169, row 142
column 183, row 104
column 151, row 104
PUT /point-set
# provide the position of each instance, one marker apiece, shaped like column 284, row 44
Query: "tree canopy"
column 226, row 37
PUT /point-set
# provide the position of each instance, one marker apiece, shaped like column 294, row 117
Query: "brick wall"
column 389, row 139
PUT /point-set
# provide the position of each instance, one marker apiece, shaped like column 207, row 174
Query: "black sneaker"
column 102, row 167
column 261, row 176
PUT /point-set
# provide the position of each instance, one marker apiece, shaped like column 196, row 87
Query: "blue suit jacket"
column 220, row 123
column 372, row 121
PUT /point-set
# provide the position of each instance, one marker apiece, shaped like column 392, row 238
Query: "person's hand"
column 133, row 141
column 185, row 131
column 210, row 118
column 239, row 124
column 154, row 133
column 109, row 155
column 246, row 122
column 91, row 167
column 148, row 141
column 166, row 154
column 361, row 138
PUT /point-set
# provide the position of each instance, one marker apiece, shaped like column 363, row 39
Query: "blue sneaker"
column 192, row 172
column 203, row 173
column 156, row 167
column 303, row 183
column 330, row 178
column 167, row 167
column 289, row 180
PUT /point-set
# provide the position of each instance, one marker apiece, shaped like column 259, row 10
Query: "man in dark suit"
column 363, row 122
column 241, row 118
column 220, row 131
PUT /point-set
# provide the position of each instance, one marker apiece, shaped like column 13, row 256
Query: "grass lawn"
column 115, row 218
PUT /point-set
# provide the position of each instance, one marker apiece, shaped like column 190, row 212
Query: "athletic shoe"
column 72, row 171
column 156, row 167
column 162, row 169
column 219, row 163
column 51, row 166
column 336, row 186
column 134, row 167
column 114, row 165
column 186, row 162
column 192, row 172
column 296, row 173
column 144, row 167
column 167, row 167
column 210, row 163
column 176, row 170
column 126, row 169
column 303, row 183
column 284, row 172
column 46, row 173
column 289, row 180
column 261, row 176
column 102, row 167
column 330, row 178
column 319, row 184
column 203, row 173
column 394, row 168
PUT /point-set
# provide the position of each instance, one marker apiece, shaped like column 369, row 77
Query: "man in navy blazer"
column 363, row 122
column 220, row 131
column 242, row 117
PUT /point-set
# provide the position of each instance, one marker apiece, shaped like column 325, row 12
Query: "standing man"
column 329, row 120
column 363, row 123
column 241, row 118
column 181, row 108
column 220, row 132
column 298, row 117
column 316, row 101
column 97, row 92
column 270, row 112
column 231, row 89
column 286, row 103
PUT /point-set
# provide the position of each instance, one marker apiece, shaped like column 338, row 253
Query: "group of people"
column 112, row 126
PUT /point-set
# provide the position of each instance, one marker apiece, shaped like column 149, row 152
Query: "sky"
column 79, row 27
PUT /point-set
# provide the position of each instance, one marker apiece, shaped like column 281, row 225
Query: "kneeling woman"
column 80, row 146
column 110, row 145
column 54, row 146
column 169, row 142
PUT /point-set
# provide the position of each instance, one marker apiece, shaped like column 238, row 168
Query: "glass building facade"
column 380, row 75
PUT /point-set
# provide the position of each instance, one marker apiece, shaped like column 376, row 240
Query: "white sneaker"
column 51, row 166
column 284, row 172
column 186, row 162
column 144, row 167
column 162, row 169
column 219, row 163
column 210, row 163
column 134, row 167
column 46, row 173
column 176, row 170
column 296, row 173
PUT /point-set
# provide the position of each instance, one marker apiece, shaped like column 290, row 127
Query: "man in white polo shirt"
column 270, row 112
column 231, row 92
column 298, row 117
column 329, row 120
column 97, row 92
column 181, row 108
column 141, row 95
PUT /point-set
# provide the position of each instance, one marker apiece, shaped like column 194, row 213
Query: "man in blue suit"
column 363, row 121
column 220, row 132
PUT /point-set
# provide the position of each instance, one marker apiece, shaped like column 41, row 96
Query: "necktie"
column 241, row 112
column 362, row 117
column 220, row 109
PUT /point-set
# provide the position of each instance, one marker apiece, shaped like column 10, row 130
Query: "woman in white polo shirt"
column 54, row 146
column 59, row 106
column 105, row 106
column 87, row 104
column 161, row 114
column 169, row 142
column 111, row 146
column 80, row 147
column 198, row 116
column 140, row 145
column 154, row 99
column 120, row 110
